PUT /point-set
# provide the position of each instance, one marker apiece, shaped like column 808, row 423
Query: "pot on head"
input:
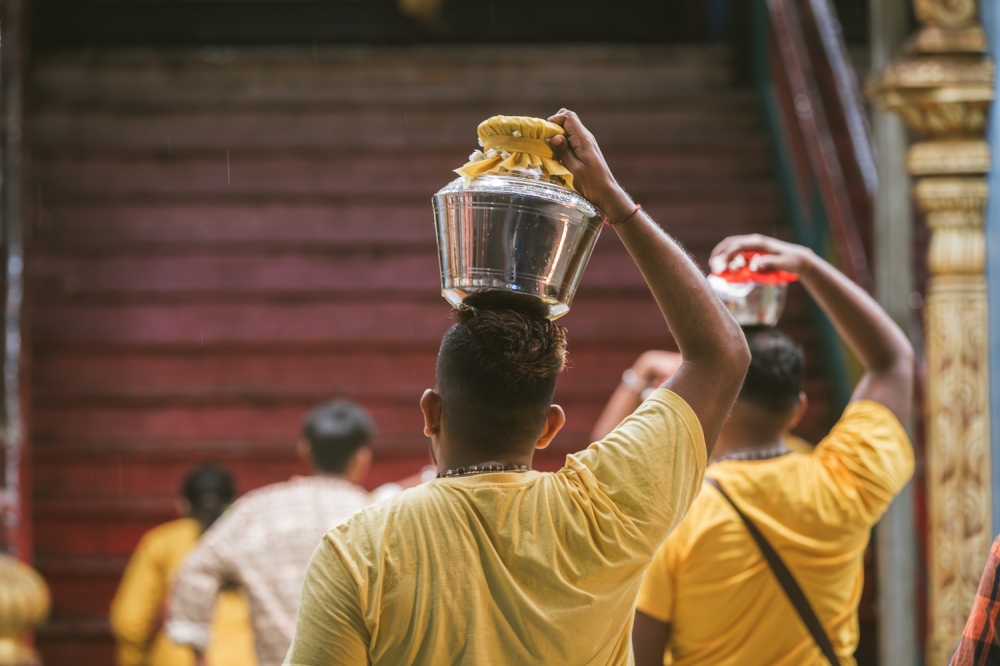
column 754, row 297
column 751, row 303
column 516, row 234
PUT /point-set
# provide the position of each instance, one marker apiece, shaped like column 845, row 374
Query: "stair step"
column 376, row 128
column 253, row 78
column 172, row 227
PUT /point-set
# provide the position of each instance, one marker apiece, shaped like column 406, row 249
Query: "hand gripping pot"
column 513, row 230
column 754, row 298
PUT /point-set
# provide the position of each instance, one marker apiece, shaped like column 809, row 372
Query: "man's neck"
column 329, row 475
column 743, row 442
column 453, row 460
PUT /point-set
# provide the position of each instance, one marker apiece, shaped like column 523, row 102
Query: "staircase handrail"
column 788, row 28
column 849, row 97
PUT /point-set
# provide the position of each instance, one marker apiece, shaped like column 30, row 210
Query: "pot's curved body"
column 514, row 234
column 751, row 303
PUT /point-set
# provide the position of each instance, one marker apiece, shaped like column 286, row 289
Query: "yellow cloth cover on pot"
column 516, row 143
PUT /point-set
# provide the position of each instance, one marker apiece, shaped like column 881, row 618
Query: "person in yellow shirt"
column 492, row 562
column 710, row 595
column 138, row 608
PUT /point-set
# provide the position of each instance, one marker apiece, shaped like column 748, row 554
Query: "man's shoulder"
column 387, row 517
column 869, row 434
column 708, row 510
column 709, row 523
column 260, row 495
column 761, row 484
column 870, row 417
column 172, row 533
column 300, row 486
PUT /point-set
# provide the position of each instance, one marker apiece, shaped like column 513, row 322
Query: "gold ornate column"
column 942, row 88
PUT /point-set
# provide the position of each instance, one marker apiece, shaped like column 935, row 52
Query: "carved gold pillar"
column 24, row 604
column 942, row 88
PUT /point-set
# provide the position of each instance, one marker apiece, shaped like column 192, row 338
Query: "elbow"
column 906, row 362
column 739, row 354
column 733, row 361
column 906, row 354
column 905, row 366
column 901, row 360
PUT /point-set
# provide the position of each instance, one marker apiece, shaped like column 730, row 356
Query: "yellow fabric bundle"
column 516, row 143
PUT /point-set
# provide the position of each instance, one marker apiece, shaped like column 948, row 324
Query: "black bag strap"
column 787, row 582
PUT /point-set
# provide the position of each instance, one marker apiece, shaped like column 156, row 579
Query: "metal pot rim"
column 524, row 186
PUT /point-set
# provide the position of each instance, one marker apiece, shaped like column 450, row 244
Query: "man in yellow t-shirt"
column 493, row 563
column 709, row 596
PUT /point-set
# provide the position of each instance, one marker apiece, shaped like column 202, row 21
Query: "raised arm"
column 710, row 341
column 871, row 334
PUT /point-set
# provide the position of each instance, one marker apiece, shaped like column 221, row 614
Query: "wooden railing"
column 817, row 103
column 812, row 103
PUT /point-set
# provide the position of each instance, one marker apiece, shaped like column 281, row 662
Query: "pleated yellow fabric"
column 516, row 143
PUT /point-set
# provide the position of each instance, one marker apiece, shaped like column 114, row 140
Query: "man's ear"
column 305, row 451
column 800, row 411
column 553, row 424
column 432, row 406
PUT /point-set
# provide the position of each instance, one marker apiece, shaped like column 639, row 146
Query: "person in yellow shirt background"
column 711, row 596
column 139, row 606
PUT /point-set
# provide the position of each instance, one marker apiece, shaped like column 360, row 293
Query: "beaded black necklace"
column 482, row 469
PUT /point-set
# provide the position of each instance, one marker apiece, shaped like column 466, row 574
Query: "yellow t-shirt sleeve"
column 656, row 595
column 868, row 457
column 650, row 466
column 330, row 628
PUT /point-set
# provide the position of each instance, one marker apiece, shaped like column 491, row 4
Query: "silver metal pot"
column 751, row 303
column 515, row 234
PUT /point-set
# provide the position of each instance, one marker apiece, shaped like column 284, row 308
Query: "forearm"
column 713, row 347
column 868, row 330
column 192, row 601
column 650, row 638
column 704, row 330
column 871, row 334
column 711, row 343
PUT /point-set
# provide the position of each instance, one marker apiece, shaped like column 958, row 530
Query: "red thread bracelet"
column 635, row 210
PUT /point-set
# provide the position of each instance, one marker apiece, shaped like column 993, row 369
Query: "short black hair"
column 336, row 431
column 208, row 489
column 777, row 369
column 497, row 370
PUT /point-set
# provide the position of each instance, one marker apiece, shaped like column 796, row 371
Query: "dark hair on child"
column 208, row 489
